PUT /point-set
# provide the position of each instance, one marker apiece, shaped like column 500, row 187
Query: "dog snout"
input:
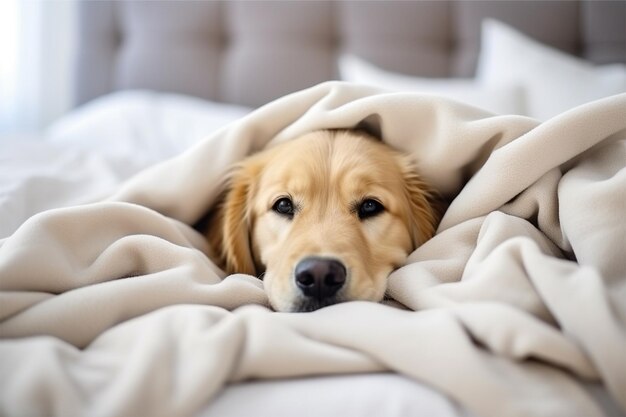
column 320, row 278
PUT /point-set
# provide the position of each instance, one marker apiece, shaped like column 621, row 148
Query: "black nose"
column 320, row 277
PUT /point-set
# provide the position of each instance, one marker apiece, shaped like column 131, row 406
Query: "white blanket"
column 113, row 309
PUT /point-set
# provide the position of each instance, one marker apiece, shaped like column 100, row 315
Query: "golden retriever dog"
column 322, row 219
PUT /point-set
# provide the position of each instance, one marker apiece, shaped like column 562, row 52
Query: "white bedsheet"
column 358, row 395
column 369, row 395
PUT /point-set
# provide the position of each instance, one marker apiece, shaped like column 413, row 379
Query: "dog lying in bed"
column 322, row 219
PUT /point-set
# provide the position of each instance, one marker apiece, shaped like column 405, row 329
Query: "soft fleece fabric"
column 114, row 309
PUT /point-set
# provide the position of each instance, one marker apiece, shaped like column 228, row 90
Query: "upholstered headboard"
column 250, row 52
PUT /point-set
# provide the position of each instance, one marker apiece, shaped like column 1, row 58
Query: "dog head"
column 323, row 218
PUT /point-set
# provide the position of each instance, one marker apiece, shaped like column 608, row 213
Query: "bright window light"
column 9, row 40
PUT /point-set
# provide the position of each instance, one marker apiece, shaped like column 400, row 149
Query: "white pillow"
column 159, row 124
column 553, row 80
column 501, row 100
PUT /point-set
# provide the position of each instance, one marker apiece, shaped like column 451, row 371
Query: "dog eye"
column 370, row 208
column 284, row 206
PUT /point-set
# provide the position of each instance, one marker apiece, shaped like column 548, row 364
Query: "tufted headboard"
column 250, row 52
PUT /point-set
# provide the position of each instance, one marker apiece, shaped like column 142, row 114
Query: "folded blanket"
column 114, row 309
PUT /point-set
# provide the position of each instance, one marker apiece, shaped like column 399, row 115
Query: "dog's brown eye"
column 284, row 206
column 370, row 208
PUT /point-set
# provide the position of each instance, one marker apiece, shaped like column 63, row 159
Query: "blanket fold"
column 518, row 302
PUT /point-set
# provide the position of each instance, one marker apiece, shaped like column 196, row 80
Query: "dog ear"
column 230, row 225
column 425, row 206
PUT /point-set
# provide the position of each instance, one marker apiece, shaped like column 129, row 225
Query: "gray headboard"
column 250, row 52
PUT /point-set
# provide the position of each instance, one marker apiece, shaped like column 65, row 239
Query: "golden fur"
column 326, row 175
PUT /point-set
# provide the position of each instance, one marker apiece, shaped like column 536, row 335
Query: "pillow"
column 501, row 100
column 553, row 80
column 160, row 124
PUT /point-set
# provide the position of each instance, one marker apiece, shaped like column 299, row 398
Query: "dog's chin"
column 302, row 304
column 293, row 301
column 305, row 304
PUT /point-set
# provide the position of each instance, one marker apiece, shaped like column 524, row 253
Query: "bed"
column 153, row 79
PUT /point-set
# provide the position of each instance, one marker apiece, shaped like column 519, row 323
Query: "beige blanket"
column 113, row 309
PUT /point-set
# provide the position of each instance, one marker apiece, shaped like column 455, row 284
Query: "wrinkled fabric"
column 115, row 308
